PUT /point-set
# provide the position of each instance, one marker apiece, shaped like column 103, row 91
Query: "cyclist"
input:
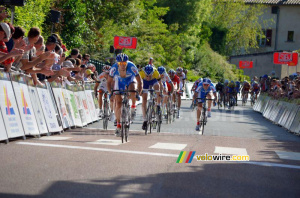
column 230, row 90
column 151, row 78
column 219, row 89
column 203, row 90
column 245, row 90
column 255, row 89
column 176, row 82
column 102, row 81
column 123, row 73
column 182, row 77
column 237, row 90
column 165, row 79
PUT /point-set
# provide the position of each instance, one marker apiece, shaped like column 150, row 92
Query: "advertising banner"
column 9, row 107
column 246, row 64
column 71, row 102
column 79, row 105
column 58, row 95
column 37, row 108
column 121, row 42
column 84, row 102
column 24, row 104
column 48, row 109
column 90, row 102
column 68, row 104
column 285, row 58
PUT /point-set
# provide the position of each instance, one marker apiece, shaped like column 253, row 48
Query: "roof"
column 275, row 2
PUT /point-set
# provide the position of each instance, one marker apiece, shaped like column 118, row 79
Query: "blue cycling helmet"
column 206, row 81
column 148, row 70
column 232, row 81
column 122, row 57
column 237, row 82
column 226, row 81
column 161, row 69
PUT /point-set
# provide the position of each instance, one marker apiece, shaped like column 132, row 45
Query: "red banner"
column 246, row 64
column 125, row 42
column 285, row 58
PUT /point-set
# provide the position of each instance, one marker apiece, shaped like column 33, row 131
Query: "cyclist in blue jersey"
column 123, row 74
column 203, row 90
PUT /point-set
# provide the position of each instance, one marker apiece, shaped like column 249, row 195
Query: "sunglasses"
column 122, row 63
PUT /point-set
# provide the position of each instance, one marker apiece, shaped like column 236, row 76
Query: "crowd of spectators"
column 287, row 87
column 41, row 58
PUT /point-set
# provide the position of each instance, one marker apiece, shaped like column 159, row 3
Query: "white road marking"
column 230, row 150
column 267, row 164
column 98, row 149
column 107, row 142
column 288, row 155
column 170, row 146
column 53, row 138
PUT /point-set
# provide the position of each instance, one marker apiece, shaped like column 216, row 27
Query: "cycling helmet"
column 265, row 76
column 122, row 57
column 200, row 79
column 226, row 81
column 88, row 72
column 206, row 81
column 171, row 71
column 179, row 70
column 106, row 68
column 148, row 70
column 237, row 82
column 161, row 69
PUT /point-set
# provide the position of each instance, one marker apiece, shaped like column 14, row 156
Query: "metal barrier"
column 26, row 109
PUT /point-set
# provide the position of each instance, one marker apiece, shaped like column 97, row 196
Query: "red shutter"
column 269, row 37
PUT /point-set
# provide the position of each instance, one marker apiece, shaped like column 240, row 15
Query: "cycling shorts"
column 147, row 84
column 122, row 83
column 202, row 95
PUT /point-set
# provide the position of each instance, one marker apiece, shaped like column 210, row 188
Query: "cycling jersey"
column 165, row 78
column 219, row 87
column 230, row 87
column 202, row 92
column 151, row 82
column 103, row 81
column 246, row 87
column 155, row 74
column 120, row 82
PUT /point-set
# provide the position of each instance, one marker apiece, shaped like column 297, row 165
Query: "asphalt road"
column 90, row 162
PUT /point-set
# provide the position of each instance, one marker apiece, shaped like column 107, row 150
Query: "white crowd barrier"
column 282, row 113
column 26, row 109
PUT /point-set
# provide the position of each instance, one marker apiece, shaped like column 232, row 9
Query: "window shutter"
column 269, row 37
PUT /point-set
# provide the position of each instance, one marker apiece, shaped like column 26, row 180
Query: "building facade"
column 282, row 33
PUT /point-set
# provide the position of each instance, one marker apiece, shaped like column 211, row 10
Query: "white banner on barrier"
column 24, row 104
column 90, row 102
column 57, row 91
column 85, row 104
column 70, row 98
column 68, row 105
column 80, row 106
column 9, row 107
column 48, row 109
column 3, row 133
column 37, row 108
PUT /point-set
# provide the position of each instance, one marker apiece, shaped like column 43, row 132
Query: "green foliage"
column 33, row 14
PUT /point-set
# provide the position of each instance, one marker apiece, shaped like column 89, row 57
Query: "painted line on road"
column 99, row 149
column 267, row 164
column 113, row 129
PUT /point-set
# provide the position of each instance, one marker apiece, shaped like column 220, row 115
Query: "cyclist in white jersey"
column 102, row 81
column 165, row 78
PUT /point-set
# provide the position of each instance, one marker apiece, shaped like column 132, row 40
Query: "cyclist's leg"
column 100, row 101
column 209, row 104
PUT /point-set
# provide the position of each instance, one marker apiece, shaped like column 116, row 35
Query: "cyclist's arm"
column 139, row 83
column 172, row 87
column 109, row 82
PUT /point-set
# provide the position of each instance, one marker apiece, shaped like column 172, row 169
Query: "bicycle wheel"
column 159, row 121
column 148, row 118
column 105, row 115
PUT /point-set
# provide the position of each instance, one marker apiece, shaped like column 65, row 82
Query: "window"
column 290, row 37
column 266, row 39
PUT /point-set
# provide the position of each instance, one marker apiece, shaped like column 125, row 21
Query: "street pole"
column 12, row 14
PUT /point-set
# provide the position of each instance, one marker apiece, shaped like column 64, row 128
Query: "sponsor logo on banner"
column 26, row 109
column 288, row 58
column 246, row 64
column 121, row 42
column 9, row 109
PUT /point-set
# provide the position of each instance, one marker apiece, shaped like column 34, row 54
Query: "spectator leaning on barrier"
column 39, row 46
column 7, row 58
column 16, row 41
